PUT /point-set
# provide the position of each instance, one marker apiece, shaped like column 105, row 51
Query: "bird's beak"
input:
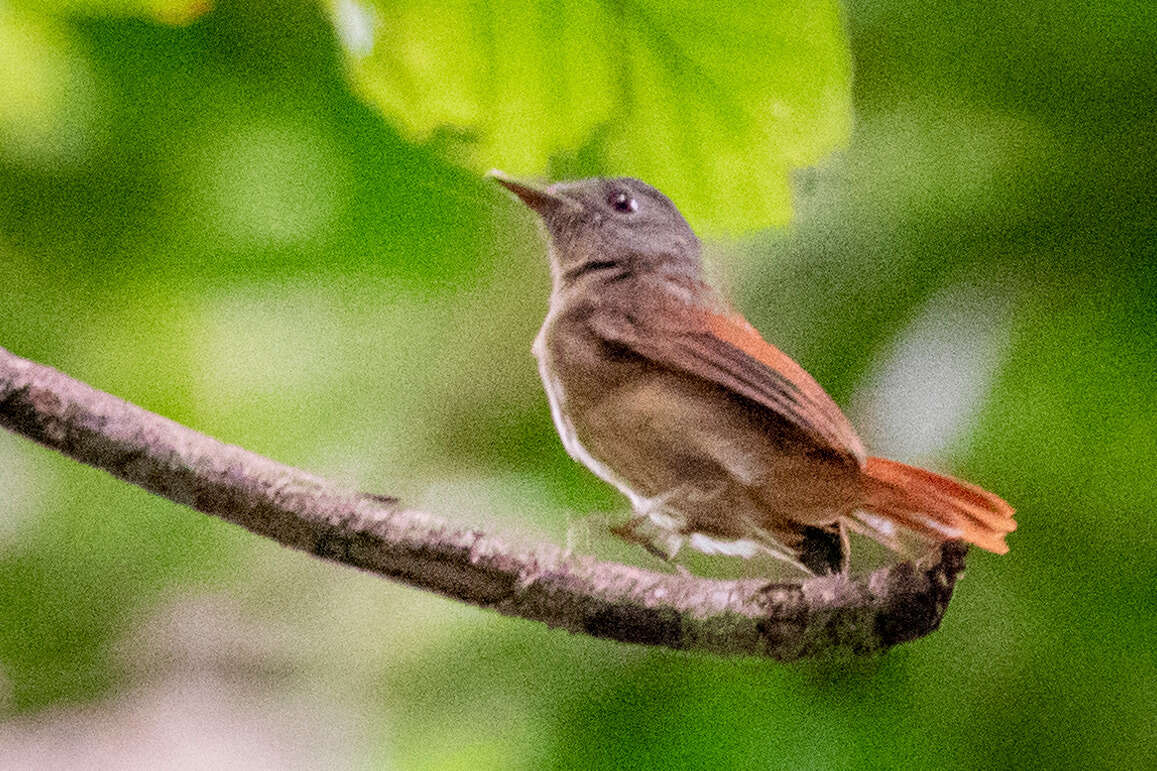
column 538, row 198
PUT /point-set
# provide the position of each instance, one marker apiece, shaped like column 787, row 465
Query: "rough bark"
column 376, row 533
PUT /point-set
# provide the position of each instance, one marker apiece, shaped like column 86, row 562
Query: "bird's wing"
column 726, row 350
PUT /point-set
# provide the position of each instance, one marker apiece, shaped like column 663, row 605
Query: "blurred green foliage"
column 204, row 219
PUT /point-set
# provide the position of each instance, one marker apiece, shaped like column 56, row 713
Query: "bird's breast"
column 575, row 371
column 584, row 366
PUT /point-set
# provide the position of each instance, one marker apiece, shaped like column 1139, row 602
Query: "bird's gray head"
column 612, row 223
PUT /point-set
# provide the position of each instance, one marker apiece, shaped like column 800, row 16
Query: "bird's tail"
column 931, row 505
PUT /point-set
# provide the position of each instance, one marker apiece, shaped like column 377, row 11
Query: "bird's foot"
column 642, row 530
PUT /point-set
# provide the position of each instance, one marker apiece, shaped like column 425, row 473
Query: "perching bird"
column 716, row 437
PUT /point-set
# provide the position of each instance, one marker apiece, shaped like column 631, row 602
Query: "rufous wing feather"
column 726, row 350
column 814, row 407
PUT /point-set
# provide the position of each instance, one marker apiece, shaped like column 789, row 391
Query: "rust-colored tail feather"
column 937, row 506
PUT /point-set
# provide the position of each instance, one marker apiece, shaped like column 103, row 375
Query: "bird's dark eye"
column 623, row 202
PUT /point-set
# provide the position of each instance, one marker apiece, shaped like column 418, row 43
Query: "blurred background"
column 199, row 215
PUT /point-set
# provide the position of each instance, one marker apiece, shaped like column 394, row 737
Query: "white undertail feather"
column 742, row 548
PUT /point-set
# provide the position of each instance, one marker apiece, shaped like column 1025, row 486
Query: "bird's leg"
column 642, row 530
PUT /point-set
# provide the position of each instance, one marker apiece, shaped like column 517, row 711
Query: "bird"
column 718, row 439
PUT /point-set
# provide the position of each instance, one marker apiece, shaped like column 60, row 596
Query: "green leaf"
column 711, row 103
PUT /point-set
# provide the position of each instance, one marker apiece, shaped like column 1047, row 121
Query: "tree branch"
column 375, row 533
